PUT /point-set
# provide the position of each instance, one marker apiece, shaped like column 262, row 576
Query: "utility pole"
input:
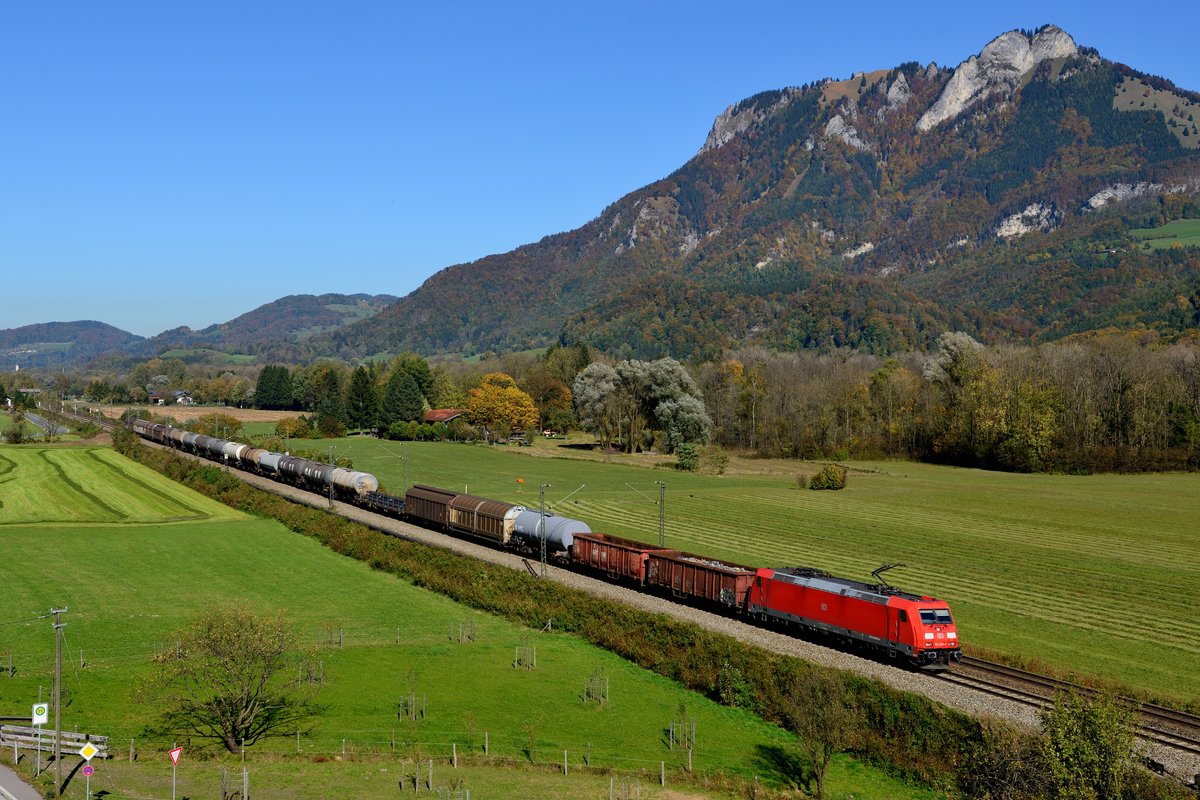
column 58, row 626
column 662, row 513
column 542, row 524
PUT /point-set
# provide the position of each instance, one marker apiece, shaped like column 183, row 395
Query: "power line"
column 27, row 619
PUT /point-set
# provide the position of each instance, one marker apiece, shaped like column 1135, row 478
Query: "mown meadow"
column 1178, row 233
column 1089, row 575
column 134, row 556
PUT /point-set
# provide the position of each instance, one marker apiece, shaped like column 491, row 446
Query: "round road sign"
column 88, row 769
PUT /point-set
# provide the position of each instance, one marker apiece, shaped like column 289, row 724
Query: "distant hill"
column 50, row 344
column 279, row 329
column 874, row 212
column 281, row 326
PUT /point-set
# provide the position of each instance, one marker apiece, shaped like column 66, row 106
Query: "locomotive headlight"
column 928, row 637
column 951, row 635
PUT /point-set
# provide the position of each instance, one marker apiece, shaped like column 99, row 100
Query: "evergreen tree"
column 362, row 403
column 418, row 368
column 329, row 400
column 274, row 388
column 401, row 400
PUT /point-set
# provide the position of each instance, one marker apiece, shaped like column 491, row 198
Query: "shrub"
column 802, row 480
column 295, row 427
column 688, row 458
column 831, row 476
column 404, row 431
column 714, row 459
column 331, row 427
column 15, row 433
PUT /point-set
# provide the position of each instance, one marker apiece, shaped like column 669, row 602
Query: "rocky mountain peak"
column 740, row 117
column 999, row 67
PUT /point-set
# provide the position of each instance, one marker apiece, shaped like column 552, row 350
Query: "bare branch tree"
column 224, row 680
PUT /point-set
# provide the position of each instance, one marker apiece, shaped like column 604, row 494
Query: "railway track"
column 1167, row 727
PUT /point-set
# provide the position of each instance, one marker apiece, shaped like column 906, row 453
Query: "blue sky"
column 177, row 163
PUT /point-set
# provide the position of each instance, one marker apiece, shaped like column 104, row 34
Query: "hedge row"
column 906, row 734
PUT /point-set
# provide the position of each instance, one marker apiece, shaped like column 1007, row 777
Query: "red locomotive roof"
column 823, row 581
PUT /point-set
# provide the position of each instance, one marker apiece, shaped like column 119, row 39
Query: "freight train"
column 914, row 629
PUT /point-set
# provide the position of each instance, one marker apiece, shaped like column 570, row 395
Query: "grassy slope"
column 52, row 486
column 1090, row 574
column 128, row 586
column 1181, row 232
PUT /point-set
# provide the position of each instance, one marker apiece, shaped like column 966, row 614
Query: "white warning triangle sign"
column 175, row 754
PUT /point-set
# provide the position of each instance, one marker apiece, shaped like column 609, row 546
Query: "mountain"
column 877, row 211
column 50, row 344
column 278, row 326
column 279, row 329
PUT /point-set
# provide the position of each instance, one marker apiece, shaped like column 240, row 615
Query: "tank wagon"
column 302, row 472
column 916, row 629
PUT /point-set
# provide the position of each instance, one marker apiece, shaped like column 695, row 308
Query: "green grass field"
column 207, row 356
column 50, row 486
column 1180, row 233
column 1092, row 575
column 129, row 585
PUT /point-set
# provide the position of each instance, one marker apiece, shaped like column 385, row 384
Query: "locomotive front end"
column 936, row 639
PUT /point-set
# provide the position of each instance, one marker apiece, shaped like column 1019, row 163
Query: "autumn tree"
column 550, row 395
column 564, row 363
column 228, row 680
column 498, row 404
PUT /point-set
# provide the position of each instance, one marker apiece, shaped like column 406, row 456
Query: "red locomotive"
column 917, row 629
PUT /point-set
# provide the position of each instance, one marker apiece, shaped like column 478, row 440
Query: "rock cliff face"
column 1035, row 217
column 739, row 118
column 838, row 128
column 898, row 95
column 998, row 68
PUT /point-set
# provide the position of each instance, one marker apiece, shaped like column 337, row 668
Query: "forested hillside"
column 874, row 212
column 281, row 325
column 53, row 343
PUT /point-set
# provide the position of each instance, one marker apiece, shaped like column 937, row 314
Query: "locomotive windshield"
column 936, row 616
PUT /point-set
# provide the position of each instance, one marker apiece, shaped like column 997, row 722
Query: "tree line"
column 1107, row 402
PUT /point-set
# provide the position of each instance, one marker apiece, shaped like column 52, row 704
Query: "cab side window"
column 903, row 615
